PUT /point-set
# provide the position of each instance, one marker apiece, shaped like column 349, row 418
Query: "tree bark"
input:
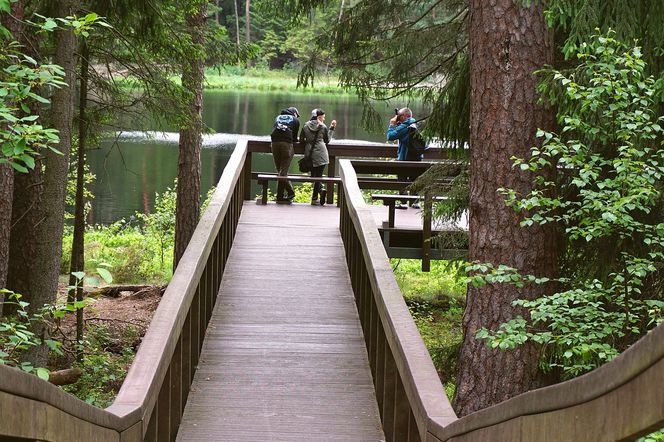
column 65, row 377
column 6, row 192
column 45, row 263
column 508, row 42
column 187, row 206
column 14, row 23
column 78, row 240
column 247, row 21
column 237, row 23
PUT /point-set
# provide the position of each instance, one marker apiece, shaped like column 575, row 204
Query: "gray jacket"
column 315, row 136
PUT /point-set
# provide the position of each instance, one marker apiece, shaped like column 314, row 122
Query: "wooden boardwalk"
column 284, row 357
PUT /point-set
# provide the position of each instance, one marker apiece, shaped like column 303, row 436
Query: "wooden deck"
column 284, row 358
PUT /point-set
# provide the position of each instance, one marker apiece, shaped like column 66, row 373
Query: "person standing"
column 316, row 135
column 284, row 135
column 398, row 130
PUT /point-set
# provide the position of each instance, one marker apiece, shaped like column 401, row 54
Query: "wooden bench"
column 390, row 201
column 264, row 179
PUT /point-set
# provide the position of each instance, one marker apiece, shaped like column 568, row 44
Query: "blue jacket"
column 400, row 133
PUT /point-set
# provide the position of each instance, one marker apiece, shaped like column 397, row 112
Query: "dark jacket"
column 285, row 128
column 315, row 136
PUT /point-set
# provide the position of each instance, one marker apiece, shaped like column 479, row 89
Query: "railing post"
column 331, row 172
column 176, row 389
column 247, row 174
column 426, row 234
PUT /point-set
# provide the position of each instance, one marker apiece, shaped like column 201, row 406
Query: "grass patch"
column 264, row 80
column 132, row 254
column 436, row 301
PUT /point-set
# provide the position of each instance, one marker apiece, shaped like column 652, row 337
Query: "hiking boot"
column 415, row 206
column 284, row 201
column 323, row 197
column 315, row 203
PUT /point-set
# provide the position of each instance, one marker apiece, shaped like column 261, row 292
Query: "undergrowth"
column 436, row 300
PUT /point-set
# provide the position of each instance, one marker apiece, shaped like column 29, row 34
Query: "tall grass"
column 266, row 80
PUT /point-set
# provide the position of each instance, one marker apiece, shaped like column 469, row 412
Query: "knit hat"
column 293, row 111
column 317, row 113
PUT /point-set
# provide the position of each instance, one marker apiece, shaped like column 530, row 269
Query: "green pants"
column 282, row 153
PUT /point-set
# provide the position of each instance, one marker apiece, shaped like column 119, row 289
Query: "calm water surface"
column 132, row 167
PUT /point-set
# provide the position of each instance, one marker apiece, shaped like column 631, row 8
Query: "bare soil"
column 117, row 315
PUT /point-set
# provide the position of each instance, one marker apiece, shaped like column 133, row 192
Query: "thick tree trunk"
column 508, row 42
column 187, row 206
column 48, row 234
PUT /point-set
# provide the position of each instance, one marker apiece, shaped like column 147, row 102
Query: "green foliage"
column 16, row 335
column 606, row 198
column 22, row 81
column 657, row 436
column 70, row 197
column 138, row 250
column 104, row 365
column 435, row 300
column 160, row 223
column 234, row 78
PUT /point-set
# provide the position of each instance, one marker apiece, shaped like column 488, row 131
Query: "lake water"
column 131, row 167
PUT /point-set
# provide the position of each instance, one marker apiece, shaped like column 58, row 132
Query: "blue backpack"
column 283, row 123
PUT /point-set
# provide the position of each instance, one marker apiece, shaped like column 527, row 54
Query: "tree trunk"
column 247, row 21
column 6, row 192
column 14, row 23
column 507, row 43
column 49, row 228
column 187, row 206
column 78, row 240
column 237, row 23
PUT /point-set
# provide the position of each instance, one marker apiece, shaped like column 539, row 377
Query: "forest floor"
column 114, row 328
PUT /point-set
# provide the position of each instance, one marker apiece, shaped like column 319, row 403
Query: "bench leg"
column 264, row 199
column 390, row 213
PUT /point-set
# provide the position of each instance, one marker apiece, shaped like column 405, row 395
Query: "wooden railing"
column 621, row 400
column 152, row 398
column 338, row 149
column 618, row 401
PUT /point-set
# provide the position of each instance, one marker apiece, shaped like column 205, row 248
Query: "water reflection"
column 131, row 167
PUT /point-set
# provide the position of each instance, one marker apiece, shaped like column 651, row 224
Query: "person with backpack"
column 400, row 129
column 315, row 136
column 284, row 135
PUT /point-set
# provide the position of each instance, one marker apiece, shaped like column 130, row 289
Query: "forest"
column 552, row 111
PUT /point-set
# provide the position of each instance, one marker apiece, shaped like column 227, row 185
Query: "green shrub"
column 606, row 200
column 104, row 365
column 435, row 300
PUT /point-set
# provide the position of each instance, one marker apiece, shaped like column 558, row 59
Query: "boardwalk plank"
column 284, row 356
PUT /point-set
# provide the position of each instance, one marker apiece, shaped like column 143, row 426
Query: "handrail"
column 621, row 400
column 152, row 398
column 408, row 389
